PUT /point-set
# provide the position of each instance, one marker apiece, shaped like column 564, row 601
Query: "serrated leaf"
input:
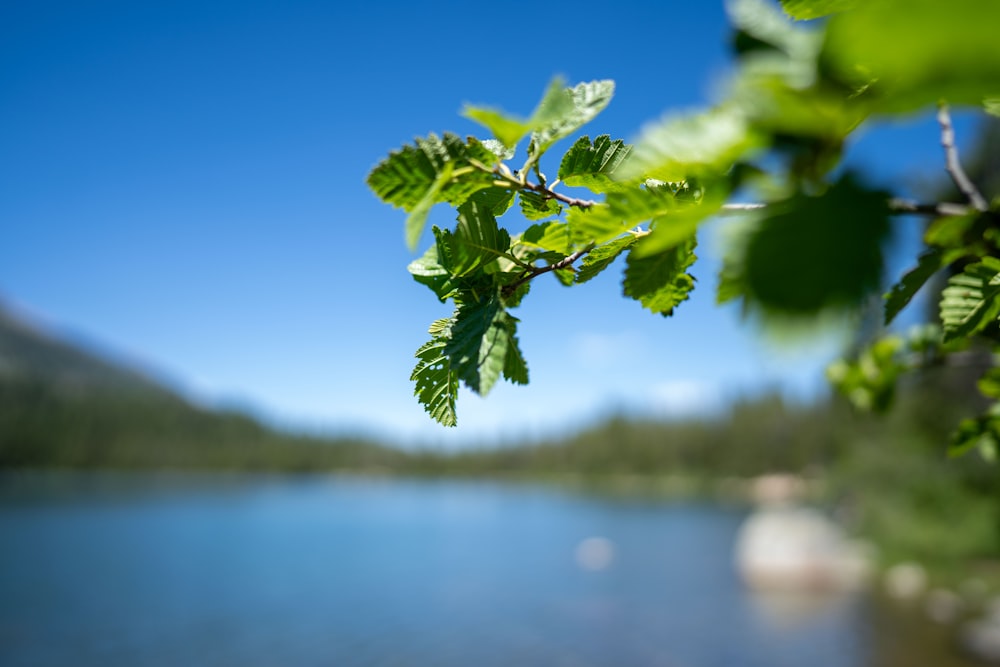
column 538, row 207
column 427, row 270
column 813, row 9
column 702, row 145
column 928, row 263
column 660, row 282
column 811, row 252
column 515, row 369
column 498, row 149
column 552, row 236
column 602, row 257
column 565, row 110
column 909, row 54
column 477, row 241
column 593, row 165
column 480, row 338
column 971, row 301
column 413, row 179
column 436, row 384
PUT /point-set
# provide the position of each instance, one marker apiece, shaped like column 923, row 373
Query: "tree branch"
column 535, row 271
column 952, row 163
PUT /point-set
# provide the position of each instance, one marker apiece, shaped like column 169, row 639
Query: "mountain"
column 65, row 406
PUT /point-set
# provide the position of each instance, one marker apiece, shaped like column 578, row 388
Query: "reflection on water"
column 152, row 570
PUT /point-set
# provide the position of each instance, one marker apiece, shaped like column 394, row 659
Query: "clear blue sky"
column 183, row 183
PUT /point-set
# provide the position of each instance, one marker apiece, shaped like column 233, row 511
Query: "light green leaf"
column 565, row 110
column 811, row 252
column 552, row 236
column 427, row 270
column 436, row 383
column 593, row 165
column 507, row 129
column 910, row 54
column 814, row 9
column 679, row 148
column 660, row 282
column 971, row 301
column 538, row 207
column 992, row 106
column 602, row 257
column 759, row 23
column 417, row 218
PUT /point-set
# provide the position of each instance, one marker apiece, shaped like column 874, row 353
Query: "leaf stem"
column 535, row 271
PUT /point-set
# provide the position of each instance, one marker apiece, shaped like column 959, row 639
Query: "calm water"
column 211, row 570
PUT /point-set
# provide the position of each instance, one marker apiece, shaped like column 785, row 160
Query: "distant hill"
column 29, row 353
column 64, row 406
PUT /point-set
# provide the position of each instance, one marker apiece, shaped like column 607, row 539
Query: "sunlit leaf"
column 480, row 338
column 908, row 54
column 593, row 165
column 436, row 384
column 971, row 301
column 929, row 263
column 535, row 206
column 814, row 9
column 602, row 257
column 565, row 110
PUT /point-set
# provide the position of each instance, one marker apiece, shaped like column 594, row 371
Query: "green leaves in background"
column 416, row 177
column 814, row 9
column 700, row 145
column 971, row 301
column 928, row 264
column 907, row 54
column 808, row 252
column 869, row 381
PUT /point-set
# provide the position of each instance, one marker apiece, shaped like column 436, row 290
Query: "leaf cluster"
column 812, row 242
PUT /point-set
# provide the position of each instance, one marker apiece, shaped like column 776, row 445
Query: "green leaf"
column 602, row 257
column 515, row 369
column 992, row 106
column 436, row 383
column 814, row 9
column 929, row 263
column 427, row 270
column 811, row 252
column 971, row 301
column 982, row 432
column 507, row 129
column 480, row 338
column 565, row 110
column 477, row 241
column 419, row 176
column 538, row 207
column 679, row 148
column 989, row 384
column 552, row 236
column 909, row 54
column 869, row 382
column 660, row 282
column 593, row 165
column 760, row 25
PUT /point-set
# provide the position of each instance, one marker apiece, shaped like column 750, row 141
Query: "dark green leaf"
column 808, row 253
column 929, row 263
column 660, row 282
column 480, row 338
column 538, row 207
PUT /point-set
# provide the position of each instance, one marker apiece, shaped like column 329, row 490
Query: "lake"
column 167, row 570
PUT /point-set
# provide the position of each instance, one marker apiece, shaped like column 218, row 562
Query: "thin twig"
column 535, row 271
column 952, row 163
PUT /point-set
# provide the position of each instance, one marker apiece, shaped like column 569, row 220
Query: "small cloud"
column 685, row 397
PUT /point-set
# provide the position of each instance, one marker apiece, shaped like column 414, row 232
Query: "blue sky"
column 182, row 183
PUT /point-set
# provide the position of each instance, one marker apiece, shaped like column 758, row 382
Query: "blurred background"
column 209, row 449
